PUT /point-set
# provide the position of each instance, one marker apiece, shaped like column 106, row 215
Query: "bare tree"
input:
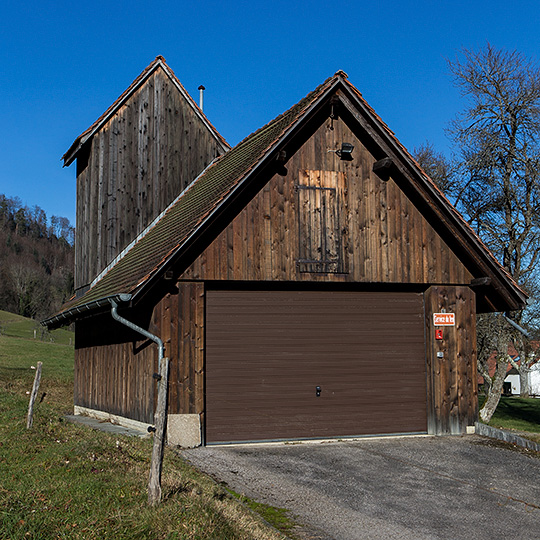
column 493, row 336
column 25, row 281
column 498, row 134
column 438, row 167
column 36, row 261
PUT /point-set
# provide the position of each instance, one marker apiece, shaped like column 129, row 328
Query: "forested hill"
column 36, row 259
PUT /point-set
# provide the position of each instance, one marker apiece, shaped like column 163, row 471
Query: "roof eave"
column 68, row 316
column 515, row 297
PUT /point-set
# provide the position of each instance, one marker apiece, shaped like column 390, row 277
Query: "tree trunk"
column 495, row 390
column 524, row 389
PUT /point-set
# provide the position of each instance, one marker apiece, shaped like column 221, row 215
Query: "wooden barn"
column 311, row 282
column 133, row 162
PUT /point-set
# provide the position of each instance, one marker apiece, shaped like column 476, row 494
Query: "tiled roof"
column 170, row 233
column 159, row 62
column 194, row 205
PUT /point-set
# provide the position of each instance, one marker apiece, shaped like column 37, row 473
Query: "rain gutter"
column 66, row 316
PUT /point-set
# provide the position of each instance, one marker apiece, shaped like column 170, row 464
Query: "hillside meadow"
column 63, row 480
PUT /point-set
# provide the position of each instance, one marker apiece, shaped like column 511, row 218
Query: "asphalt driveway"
column 417, row 488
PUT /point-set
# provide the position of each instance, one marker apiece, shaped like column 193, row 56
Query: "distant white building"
column 534, row 381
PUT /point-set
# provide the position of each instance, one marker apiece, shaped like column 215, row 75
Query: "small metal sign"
column 444, row 319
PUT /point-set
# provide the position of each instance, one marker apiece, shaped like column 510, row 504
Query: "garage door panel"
column 267, row 351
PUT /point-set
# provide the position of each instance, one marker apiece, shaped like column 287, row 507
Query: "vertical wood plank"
column 199, row 319
column 452, row 393
column 268, row 262
column 139, row 161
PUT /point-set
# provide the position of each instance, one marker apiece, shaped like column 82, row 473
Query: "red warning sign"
column 444, row 319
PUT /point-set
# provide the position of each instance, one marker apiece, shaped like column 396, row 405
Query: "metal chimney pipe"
column 201, row 92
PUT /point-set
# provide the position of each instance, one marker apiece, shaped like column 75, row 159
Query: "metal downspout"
column 517, row 327
column 160, row 415
column 129, row 324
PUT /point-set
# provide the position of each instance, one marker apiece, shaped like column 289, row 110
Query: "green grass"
column 65, row 481
column 518, row 414
column 18, row 355
column 13, row 325
column 277, row 517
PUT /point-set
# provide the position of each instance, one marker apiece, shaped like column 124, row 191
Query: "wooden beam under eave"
column 383, row 168
column 480, row 282
column 404, row 169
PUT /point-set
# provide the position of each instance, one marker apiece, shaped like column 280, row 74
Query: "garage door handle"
column 318, row 391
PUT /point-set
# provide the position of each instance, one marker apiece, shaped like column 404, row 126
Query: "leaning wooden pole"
column 160, row 426
column 160, row 417
column 35, row 389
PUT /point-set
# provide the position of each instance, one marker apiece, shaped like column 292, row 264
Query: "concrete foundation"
column 184, row 430
column 112, row 418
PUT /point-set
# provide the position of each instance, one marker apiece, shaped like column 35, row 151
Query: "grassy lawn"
column 518, row 414
column 61, row 480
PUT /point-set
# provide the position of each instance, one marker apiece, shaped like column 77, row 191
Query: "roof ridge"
column 290, row 109
column 159, row 61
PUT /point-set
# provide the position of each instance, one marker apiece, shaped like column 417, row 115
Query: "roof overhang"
column 495, row 289
column 500, row 292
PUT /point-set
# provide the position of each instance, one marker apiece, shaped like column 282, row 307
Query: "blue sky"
column 64, row 63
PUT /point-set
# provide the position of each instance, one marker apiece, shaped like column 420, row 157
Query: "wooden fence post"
column 37, row 379
column 160, row 421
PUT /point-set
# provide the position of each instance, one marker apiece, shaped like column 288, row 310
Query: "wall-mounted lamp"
column 345, row 152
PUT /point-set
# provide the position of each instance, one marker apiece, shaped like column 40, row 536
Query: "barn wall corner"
column 451, row 359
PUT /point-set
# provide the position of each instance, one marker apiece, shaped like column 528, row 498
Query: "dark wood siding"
column 182, row 331
column 113, row 369
column 152, row 148
column 268, row 351
column 452, row 381
column 384, row 236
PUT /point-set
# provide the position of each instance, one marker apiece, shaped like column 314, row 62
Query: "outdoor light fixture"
column 345, row 152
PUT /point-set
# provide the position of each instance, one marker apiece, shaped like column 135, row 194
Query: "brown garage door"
column 268, row 351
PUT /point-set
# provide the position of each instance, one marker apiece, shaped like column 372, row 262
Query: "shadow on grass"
column 515, row 408
column 13, row 370
column 14, row 375
column 173, row 491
